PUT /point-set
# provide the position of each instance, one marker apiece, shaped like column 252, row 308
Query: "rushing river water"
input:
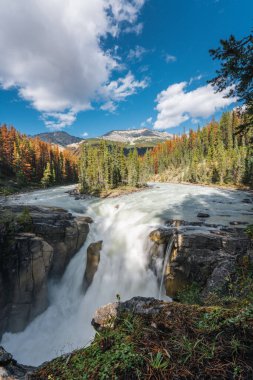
column 123, row 224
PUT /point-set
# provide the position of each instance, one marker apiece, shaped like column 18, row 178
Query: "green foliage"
column 105, row 167
column 190, row 294
column 112, row 355
column 211, row 155
column 48, row 176
column 249, row 231
column 25, row 220
column 158, row 361
column 179, row 342
column 235, row 73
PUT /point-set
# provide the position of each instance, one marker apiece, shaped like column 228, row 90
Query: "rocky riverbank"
column 201, row 253
column 112, row 193
column 37, row 243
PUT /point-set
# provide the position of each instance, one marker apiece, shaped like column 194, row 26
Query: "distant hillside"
column 59, row 138
column 137, row 136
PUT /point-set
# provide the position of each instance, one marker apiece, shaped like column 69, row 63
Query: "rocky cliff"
column 37, row 243
column 201, row 253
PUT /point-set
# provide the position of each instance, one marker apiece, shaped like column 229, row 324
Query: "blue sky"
column 90, row 67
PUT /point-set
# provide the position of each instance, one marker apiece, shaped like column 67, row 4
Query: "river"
column 123, row 224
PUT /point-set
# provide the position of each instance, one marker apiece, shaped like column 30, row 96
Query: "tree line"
column 30, row 160
column 215, row 154
column 106, row 167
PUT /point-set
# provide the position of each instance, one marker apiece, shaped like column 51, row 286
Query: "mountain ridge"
column 61, row 138
column 128, row 136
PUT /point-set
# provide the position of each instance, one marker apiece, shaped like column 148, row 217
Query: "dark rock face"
column 207, row 257
column 30, row 258
column 93, row 259
column 10, row 369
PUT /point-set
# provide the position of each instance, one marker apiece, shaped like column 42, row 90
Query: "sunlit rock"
column 93, row 258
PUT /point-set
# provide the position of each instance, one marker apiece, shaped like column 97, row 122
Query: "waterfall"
column 123, row 224
column 165, row 263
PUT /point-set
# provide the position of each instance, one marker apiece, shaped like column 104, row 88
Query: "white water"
column 65, row 325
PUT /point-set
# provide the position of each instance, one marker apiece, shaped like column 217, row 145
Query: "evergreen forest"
column 30, row 161
column 215, row 154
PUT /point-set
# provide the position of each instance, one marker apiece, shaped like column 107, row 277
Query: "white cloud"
column 109, row 106
column 170, row 58
column 118, row 90
column 175, row 105
column 85, row 134
column 51, row 51
column 137, row 53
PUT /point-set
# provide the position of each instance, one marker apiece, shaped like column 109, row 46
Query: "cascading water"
column 165, row 263
column 123, row 224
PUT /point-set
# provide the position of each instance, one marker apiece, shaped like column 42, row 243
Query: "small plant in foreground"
column 158, row 361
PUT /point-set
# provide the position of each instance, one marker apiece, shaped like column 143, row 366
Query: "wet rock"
column 203, row 215
column 29, row 259
column 161, row 235
column 247, row 200
column 93, row 259
column 10, row 369
column 206, row 257
column 23, row 282
column 5, row 357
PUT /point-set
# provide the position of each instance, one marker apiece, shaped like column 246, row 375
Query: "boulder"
column 105, row 316
column 93, row 259
column 203, row 215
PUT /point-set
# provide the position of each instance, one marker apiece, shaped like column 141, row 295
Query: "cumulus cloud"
column 85, row 134
column 118, row 90
column 51, row 51
column 175, row 105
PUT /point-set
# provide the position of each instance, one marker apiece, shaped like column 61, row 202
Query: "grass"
column 179, row 342
column 193, row 339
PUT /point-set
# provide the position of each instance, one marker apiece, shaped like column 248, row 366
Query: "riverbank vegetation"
column 215, row 154
column 106, row 167
column 180, row 342
column 30, row 162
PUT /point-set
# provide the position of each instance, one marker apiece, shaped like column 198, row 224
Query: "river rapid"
column 123, row 224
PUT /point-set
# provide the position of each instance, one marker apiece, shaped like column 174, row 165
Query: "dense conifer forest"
column 31, row 161
column 215, row 154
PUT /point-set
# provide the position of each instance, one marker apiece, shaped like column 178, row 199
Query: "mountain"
column 137, row 136
column 59, row 138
